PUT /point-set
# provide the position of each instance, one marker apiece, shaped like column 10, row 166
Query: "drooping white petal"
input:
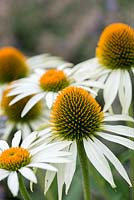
column 70, row 167
column 3, row 145
column 88, row 89
column 16, row 139
column 118, row 118
column 49, row 177
column 60, row 179
column 119, row 129
column 118, row 139
column 31, row 103
column 99, row 161
column 117, row 164
column 13, row 183
column 50, row 97
column 28, row 174
column 43, row 166
column 125, row 91
column 21, row 96
column 3, row 174
column 111, row 88
column 83, row 70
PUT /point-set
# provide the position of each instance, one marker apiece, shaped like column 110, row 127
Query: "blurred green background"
column 70, row 29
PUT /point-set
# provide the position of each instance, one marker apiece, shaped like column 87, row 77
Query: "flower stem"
column 23, row 189
column 84, row 169
column 132, row 174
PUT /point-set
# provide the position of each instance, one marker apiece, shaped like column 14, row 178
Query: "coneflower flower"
column 113, row 64
column 15, row 65
column 19, row 159
column 76, row 116
column 46, row 84
column 31, row 121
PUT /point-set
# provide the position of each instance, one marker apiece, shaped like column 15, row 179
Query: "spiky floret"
column 116, row 47
column 75, row 114
column 14, row 111
column 14, row 158
column 54, row 80
column 12, row 65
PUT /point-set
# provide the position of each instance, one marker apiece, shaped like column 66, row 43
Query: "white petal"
column 117, row 164
column 70, row 167
column 29, row 139
column 111, row 88
column 7, row 131
column 125, row 91
column 83, row 70
column 119, row 129
column 49, row 177
column 13, row 183
column 28, row 174
column 25, row 127
column 118, row 139
column 31, row 103
column 16, row 139
column 51, row 159
column 89, row 90
column 60, row 179
column 3, row 174
column 91, row 83
column 118, row 118
column 20, row 96
column 3, row 145
column 57, row 146
column 50, row 97
column 43, row 166
column 99, row 161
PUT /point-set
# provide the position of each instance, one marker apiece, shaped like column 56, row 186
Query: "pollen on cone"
column 14, row 158
column 115, row 49
column 75, row 114
column 54, row 80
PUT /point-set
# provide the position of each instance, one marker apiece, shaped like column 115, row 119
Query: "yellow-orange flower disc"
column 54, row 80
column 115, row 48
column 12, row 65
column 75, row 114
column 14, row 111
column 14, row 158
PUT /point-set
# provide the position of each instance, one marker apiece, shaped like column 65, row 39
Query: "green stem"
column 23, row 189
column 132, row 174
column 84, row 169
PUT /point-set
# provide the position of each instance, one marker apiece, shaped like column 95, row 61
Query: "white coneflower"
column 46, row 84
column 113, row 64
column 19, row 159
column 77, row 117
column 15, row 65
column 31, row 121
